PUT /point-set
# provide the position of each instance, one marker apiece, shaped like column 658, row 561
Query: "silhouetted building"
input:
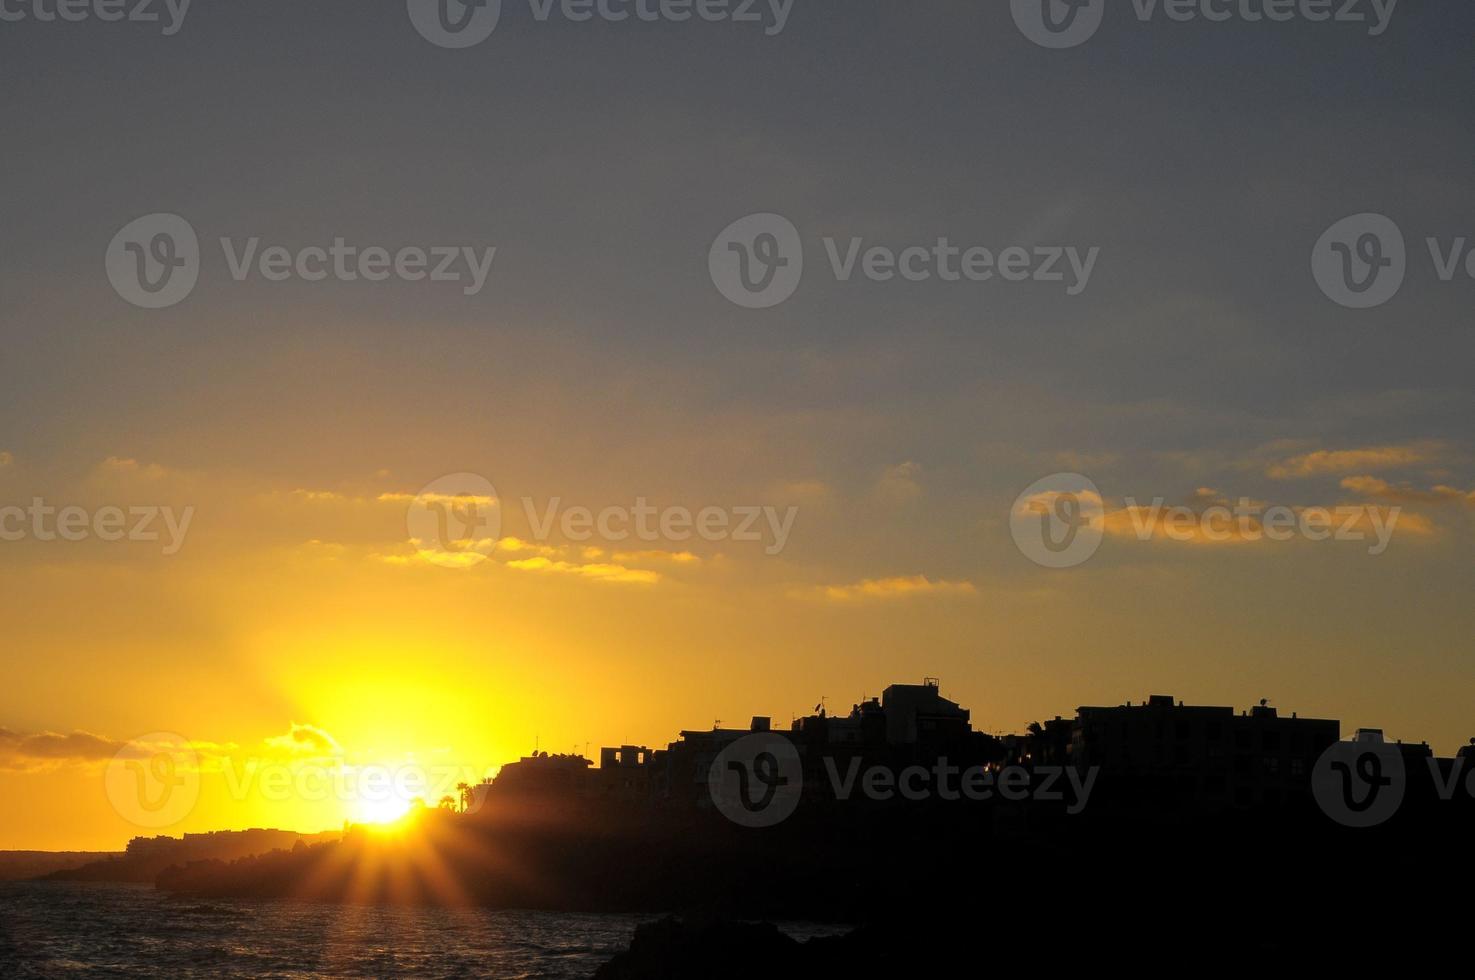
column 1042, row 745
column 686, row 762
column 918, row 713
column 544, row 774
column 1164, row 753
column 625, row 773
column 220, row 845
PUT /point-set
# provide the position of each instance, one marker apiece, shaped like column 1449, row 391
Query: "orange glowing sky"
column 301, row 605
column 600, row 366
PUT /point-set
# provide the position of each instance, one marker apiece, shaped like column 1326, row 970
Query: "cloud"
column 527, row 556
column 460, row 553
column 53, row 750
column 131, row 467
column 1181, row 525
column 603, row 572
column 895, row 588
column 1371, row 486
column 427, row 499
column 1046, row 499
column 1214, row 520
column 319, row 496
column 678, row 557
column 306, row 740
column 517, row 546
column 45, row 749
column 1324, row 461
column 468, row 550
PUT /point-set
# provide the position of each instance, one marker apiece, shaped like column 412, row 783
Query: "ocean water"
column 101, row 930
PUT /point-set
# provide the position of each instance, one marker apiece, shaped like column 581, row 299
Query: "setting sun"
column 379, row 811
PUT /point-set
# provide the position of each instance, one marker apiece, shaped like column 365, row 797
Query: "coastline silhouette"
column 889, row 810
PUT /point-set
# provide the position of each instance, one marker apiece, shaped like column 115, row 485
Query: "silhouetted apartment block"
column 541, row 774
column 1168, row 754
column 687, row 761
column 625, row 773
column 1427, row 780
column 865, row 725
column 919, row 714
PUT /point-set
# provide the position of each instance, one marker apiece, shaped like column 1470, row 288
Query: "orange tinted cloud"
column 679, row 557
column 19, row 751
column 1221, row 522
column 437, row 498
column 516, row 546
column 1371, row 486
column 131, row 467
column 896, row 588
column 319, row 496
column 1180, row 524
column 1325, row 461
column 51, row 750
column 603, row 572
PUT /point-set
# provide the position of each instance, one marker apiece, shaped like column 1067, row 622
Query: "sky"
column 302, row 621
